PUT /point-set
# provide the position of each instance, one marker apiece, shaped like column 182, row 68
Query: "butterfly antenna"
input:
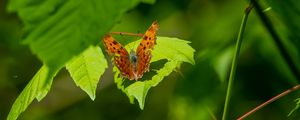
column 126, row 33
column 137, row 37
column 139, row 32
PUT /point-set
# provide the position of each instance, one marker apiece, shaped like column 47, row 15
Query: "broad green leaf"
column 37, row 88
column 170, row 49
column 57, row 30
column 149, row 1
column 139, row 91
column 174, row 50
column 87, row 68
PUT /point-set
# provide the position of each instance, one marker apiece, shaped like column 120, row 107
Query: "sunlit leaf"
column 64, row 28
column 37, row 88
column 139, row 91
column 87, row 68
column 174, row 50
column 56, row 31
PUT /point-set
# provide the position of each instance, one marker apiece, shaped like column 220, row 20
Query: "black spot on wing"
column 145, row 37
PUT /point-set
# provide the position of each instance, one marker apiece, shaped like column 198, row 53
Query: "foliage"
column 34, row 89
column 174, row 50
column 51, row 39
column 56, row 29
column 87, row 68
column 59, row 33
column 288, row 12
column 61, row 29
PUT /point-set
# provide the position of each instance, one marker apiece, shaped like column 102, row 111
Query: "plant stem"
column 235, row 59
column 269, row 101
column 268, row 24
column 125, row 33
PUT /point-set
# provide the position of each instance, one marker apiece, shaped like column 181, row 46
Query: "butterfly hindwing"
column 120, row 56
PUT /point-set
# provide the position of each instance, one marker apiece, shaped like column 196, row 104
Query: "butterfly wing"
column 120, row 56
column 144, row 49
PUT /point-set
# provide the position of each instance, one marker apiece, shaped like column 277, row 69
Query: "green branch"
column 235, row 59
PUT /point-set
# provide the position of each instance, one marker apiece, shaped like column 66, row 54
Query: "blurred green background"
column 212, row 27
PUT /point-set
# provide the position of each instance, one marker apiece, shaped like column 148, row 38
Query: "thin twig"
column 235, row 60
column 269, row 101
column 126, row 33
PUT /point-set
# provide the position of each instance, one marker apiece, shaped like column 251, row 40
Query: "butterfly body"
column 133, row 65
column 133, row 59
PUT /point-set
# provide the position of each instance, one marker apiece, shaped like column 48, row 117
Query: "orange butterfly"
column 133, row 65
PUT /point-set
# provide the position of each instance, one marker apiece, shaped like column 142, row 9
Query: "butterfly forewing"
column 144, row 49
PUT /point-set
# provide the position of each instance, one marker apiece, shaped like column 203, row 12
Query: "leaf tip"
column 141, row 106
column 93, row 97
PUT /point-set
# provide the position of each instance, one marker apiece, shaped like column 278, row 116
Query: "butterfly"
column 134, row 64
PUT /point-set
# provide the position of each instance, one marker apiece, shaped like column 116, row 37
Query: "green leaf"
column 64, row 28
column 170, row 49
column 149, row 1
column 139, row 91
column 87, row 68
column 37, row 88
column 57, row 30
column 174, row 50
